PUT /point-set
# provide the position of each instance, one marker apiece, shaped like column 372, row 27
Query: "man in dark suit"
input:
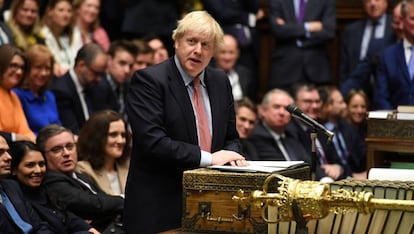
column 178, row 123
column 327, row 163
column 271, row 138
column 359, row 34
column 363, row 75
column 71, row 190
column 238, row 18
column 75, row 97
column 121, row 57
column 11, row 191
column 395, row 84
column 241, row 78
column 347, row 144
column 246, row 119
column 301, row 30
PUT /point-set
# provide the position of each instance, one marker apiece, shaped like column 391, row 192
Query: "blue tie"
column 23, row 225
column 411, row 64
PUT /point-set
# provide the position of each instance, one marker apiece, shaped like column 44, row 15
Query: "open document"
column 262, row 166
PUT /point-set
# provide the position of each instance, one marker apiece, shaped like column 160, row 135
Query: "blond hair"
column 200, row 22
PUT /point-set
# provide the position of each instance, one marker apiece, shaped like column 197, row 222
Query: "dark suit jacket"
column 69, row 104
column 6, row 224
column 248, row 150
column 59, row 221
column 393, row 86
column 7, row 31
column 69, row 194
column 230, row 13
column 360, row 77
column 165, row 142
column 246, row 81
column 267, row 147
column 328, row 149
column 24, row 208
column 351, row 45
column 355, row 146
column 309, row 62
column 104, row 97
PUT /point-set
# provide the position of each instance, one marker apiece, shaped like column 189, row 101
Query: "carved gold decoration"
column 314, row 199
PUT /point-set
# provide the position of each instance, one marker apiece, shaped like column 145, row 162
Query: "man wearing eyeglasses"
column 75, row 98
column 328, row 165
column 72, row 190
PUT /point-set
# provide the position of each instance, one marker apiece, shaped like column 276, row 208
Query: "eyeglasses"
column 311, row 101
column 59, row 148
column 96, row 73
column 16, row 66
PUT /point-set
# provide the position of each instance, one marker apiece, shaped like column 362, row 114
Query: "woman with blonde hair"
column 24, row 22
column 86, row 19
column 38, row 102
column 61, row 37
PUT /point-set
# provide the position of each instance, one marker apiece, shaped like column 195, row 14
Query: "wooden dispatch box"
column 207, row 200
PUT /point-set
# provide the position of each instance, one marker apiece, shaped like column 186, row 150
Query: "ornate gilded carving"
column 315, row 200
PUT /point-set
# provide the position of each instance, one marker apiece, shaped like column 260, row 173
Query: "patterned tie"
column 202, row 119
column 23, row 225
column 301, row 11
column 411, row 64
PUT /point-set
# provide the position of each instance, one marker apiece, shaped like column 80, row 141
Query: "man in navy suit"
column 328, row 164
column 271, row 138
column 395, row 85
column 75, row 97
column 177, row 125
column 238, row 18
column 240, row 76
column 301, row 37
column 363, row 75
column 359, row 34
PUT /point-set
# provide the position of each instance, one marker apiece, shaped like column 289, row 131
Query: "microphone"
column 297, row 113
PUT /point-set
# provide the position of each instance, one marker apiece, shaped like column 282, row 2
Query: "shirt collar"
column 273, row 133
column 186, row 77
column 330, row 126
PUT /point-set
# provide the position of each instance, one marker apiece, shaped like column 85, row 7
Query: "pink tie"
column 203, row 128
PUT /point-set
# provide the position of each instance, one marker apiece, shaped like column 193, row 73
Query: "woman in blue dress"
column 38, row 102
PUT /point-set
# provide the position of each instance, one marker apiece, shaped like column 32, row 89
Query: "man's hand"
column 332, row 170
column 315, row 26
column 226, row 156
column 280, row 21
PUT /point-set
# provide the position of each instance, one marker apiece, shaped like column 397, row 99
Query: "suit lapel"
column 78, row 105
column 180, row 93
column 290, row 10
column 401, row 60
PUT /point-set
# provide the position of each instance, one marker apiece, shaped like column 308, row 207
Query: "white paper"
column 260, row 166
column 391, row 174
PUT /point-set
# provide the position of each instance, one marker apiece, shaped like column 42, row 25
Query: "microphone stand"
column 314, row 156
